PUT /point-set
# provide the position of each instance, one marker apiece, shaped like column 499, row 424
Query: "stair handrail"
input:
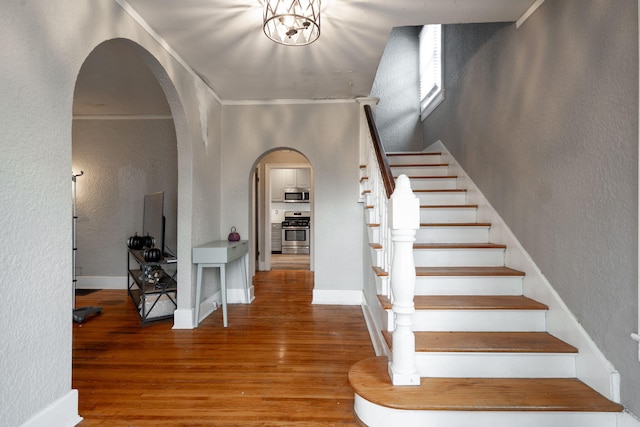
column 396, row 210
column 381, row 156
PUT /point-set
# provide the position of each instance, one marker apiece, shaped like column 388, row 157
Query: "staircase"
column 483, row 350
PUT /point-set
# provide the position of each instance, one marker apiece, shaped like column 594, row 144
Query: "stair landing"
column 370, row 380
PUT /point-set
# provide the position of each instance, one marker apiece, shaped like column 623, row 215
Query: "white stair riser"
column 371, row 216
column 453, row 234
column 374, row 415
column 473, row 285
column 496, row 365
column 382, row 284
column 420, row 170
column 458, row 257
column 475, row 320
column 374, row 234
column 433, row 183
column 377, row 257
column 418, row 159
column 447, row 215
column 444, row 198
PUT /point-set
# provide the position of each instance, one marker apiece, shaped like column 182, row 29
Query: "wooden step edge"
column 415, row 153
column 500, row 271
column 431, row 177
column 380, row 272
column 448, row 206
column 365, row 192
column 454, row 190
column 374, row 225
column 363, row 166
column 370, row 380
column 375, row 245
column 455, row 224
column 487, row 342
column 429, row 246
column 470, row 302
column 420, row 165
column 364, row 178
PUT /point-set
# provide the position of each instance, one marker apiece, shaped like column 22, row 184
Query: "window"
column 430, row 56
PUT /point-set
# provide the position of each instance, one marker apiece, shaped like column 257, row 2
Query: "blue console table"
column 218, row 254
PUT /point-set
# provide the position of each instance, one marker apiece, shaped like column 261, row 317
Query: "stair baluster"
column 404, row 221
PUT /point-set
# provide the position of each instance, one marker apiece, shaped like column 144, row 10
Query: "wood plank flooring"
column 290, row 262
column 281, row 361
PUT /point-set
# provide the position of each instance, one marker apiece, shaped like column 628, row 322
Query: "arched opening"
column 282, row 211
column 127, row 128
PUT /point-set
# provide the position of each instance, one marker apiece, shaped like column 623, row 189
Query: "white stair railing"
column 398, row 216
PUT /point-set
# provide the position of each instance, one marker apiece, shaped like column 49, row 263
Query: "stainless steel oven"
column 296, row 233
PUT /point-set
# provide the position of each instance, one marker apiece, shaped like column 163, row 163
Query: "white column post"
column 404, row 220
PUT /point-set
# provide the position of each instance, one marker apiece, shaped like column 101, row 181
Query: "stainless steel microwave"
column 296, row 195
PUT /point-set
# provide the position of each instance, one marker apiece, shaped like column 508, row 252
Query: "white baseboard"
column 337, row 297
column 61, row 413
column 101, row 282
column 183, row 318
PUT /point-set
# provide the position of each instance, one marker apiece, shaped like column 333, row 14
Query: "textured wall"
column 327, row 134
column 45, row 45
column 122, row 161
column 398, row 112
column 544, row 118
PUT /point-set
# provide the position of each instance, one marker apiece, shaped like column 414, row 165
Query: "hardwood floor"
column 290, row 262
column 281, row 362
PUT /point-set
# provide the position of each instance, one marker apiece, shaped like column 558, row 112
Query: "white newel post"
column 404, row 220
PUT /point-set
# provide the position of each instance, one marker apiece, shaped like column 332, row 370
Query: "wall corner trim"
column 529, row 12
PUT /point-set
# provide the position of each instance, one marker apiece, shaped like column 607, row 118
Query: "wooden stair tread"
column 455, row 190
column 468, row 271
column 370, row 380
column 456, row 224
column 487, row 342
column 458, row 246
column 470, row 302
column 422, row 165
column 380, row 272
column 431, row 177
column 448, row 206
column 415, row 153
column 460, row 272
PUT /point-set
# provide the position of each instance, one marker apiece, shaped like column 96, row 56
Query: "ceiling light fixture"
column 292, row 22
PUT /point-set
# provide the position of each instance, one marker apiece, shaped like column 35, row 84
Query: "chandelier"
column 292, row 22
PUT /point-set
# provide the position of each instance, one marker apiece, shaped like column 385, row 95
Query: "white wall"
column 44, row 46
column 327, row 134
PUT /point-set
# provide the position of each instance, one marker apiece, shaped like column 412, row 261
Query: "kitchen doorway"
column 285, row 212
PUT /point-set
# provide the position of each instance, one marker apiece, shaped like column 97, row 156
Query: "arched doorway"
column 127, row 126
column 283, row 195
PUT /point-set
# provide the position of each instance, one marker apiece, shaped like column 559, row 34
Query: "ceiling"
column 222, row 41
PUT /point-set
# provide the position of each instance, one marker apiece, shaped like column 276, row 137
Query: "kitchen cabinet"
column 288, row 178
column 303, row 178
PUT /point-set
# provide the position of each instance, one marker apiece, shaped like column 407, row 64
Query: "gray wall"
column 122, row 161
column 398, row 112
column 544, row 119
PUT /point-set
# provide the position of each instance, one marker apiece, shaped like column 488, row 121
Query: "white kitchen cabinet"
column 288, row 178
column 303, row 178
